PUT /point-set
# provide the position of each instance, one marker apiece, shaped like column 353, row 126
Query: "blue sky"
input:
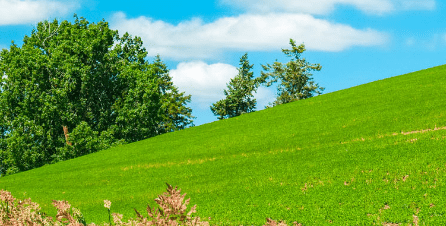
column 355, row 41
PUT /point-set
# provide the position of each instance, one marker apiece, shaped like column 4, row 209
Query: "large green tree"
column 174, row 112
column 76, row 88
column 295, row 77
column 239, row 95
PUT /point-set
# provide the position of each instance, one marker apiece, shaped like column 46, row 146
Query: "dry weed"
column 172, row 211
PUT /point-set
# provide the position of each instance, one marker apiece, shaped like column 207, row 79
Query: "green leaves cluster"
column 295, row 79
column 85, row 77
column 175, row 115
column 239, row 95
column 296, row 82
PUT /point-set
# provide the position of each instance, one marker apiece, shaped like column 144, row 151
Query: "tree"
column 296, row 82
column 175, row 114
column 76, row 88
column 239, row 96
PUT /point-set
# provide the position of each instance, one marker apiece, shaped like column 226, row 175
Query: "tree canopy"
column 239, row 95
column 295, row 77
column 76, row 88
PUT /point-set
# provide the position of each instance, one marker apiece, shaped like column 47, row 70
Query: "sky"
column 355, row 41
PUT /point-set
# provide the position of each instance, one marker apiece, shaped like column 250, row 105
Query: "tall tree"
column 174, row 111
column 76, row 88
column 239, row 95
column 295, row 77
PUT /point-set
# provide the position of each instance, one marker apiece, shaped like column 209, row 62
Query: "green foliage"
column 83, row 140
column 296, row 82
column 84, row 77
column 239, row 95
column 175, row 114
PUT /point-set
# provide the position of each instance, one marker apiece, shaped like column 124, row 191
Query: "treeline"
column 76, row 88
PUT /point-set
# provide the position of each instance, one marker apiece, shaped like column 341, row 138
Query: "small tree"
column 295, row 77
column 239, row 96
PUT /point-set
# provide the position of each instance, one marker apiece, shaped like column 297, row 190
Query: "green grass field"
column 371, row 154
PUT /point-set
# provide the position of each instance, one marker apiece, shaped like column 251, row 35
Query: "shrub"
column 172, row 211
column 17, row 212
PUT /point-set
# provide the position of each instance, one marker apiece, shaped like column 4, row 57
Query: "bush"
column 172, row 211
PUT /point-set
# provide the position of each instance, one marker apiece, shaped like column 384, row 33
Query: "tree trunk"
column 65, row 132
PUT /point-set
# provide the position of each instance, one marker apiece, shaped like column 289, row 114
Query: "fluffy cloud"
column 321, row 7
column 264, row 96
column 28, row 11
column 203, row 81
column 206, row 82
column 247, row 32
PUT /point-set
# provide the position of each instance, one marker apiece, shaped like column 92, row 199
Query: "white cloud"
column 322, row 7
column 197, row 40
column 264, row 97
column 206, row 82
column 203, row 81
column 28, row 11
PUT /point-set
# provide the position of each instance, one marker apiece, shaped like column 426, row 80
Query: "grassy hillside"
column 370, row 154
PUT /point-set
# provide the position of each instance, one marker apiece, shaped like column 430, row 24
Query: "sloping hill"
column 370, row 154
